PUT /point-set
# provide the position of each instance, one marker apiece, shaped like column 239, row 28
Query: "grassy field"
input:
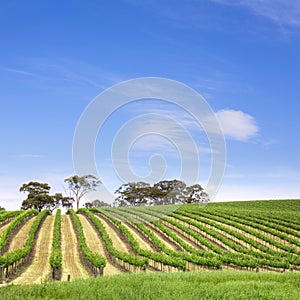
column 193, row 285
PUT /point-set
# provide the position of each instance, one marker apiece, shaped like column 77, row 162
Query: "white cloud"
column 237, row 124
column 280, row 11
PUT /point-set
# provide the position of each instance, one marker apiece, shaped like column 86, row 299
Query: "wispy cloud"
column 285, row 12
column 64, row 71
column 18, row 71
column 237, row 124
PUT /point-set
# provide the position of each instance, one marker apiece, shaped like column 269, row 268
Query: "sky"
column 242, row 56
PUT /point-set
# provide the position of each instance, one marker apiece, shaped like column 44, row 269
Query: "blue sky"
column 241, row 55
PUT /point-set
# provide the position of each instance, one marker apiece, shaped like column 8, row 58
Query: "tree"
column 34, row 188
column 196, row 194
column 96, row 204
column 79, row 186
column 60, row 200
column 38, row 197
column 133, row 194
column 39, row 202
column 161, row 193
column 2, row 208
column 169, row 192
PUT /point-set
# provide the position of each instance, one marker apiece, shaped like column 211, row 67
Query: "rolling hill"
column 253, row 236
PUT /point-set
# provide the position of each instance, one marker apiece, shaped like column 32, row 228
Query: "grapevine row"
column 95, row 261
column 266, row 226
column 8, row 215
column 235, row 221
column 269, row 253
column 247, row 258
column 154, row 256
column 15, row 258
column 56, row 254
column 122, row 256
column 196, row 257
column 13, row 225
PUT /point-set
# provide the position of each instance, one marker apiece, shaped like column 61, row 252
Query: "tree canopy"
column 96, row 204
column 162, row 192
column 79, row 186
column 38, row 197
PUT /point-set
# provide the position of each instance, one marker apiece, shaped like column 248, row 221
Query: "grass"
column 192, row 285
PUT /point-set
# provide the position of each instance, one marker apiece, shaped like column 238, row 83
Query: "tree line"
column 129, row 194
column 161, row 193
column 38, row 196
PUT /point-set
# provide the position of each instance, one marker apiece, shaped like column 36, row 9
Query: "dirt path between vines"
column 71, row 263
column 22, row 235
column 117, row 242
column 143, row 245
column 95, row 245
column 3, row 228
column 40, row 268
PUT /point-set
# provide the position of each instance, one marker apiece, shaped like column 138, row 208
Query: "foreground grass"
column 192, row 285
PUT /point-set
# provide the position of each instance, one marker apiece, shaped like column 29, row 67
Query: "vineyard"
column 254, row 236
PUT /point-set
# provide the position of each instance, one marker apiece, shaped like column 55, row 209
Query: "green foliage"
column 191, row 220
column 162, row 258
column 13, row 224
column 9, row 214
column 94, row 258
column 180, row 286
column 96, row 204
column 56, row 255
column 11, row 257
column 125, row 257
column 161, row 193
column 34, row 188
column 175, row 258
column 216, row 227
column 38, row 202
column 39, row 198
column 260, row 234
column 79, row 186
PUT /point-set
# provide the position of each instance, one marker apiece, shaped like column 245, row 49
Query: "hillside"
column 255, row 236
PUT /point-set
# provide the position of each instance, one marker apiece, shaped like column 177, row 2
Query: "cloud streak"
column 18, row 71
column 235, row 124
column 279, row 11
column 68, row 72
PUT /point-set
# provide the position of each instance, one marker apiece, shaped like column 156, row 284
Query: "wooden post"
column 69, row 277
column 1, row 274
